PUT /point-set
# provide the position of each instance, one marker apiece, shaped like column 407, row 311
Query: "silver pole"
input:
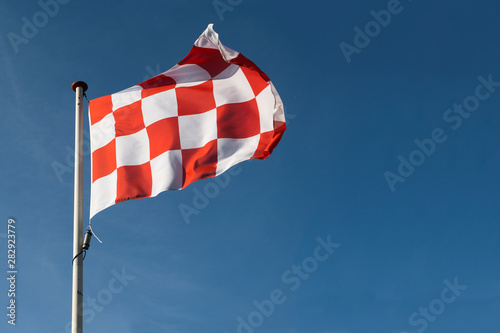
column 79, row 87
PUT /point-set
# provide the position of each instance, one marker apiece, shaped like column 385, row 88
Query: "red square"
column 133, row 182
column 163, row 136
column 255, row 80
column 100, row 108
column 268, row 141
column 199, row 163
column 209, row 59
column 156, row 84
column 104, row 161
column 128, row 119
column 195, row 99
column 238, row 120
column 243, row 61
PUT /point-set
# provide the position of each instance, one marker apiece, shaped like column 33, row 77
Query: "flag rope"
column 93, row 233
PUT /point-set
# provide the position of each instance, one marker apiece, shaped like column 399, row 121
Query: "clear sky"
column 378, row 211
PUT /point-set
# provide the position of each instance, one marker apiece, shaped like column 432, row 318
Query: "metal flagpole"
column 79, row 87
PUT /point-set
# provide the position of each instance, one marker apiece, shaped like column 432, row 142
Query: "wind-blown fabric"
column 212, row 110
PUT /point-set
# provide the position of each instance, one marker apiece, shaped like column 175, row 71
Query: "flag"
column 212, row 110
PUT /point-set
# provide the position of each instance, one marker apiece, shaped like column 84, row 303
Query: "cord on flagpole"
column 85, row 244
column 84, row 255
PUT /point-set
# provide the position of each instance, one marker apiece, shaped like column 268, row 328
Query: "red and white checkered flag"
column 212, row 110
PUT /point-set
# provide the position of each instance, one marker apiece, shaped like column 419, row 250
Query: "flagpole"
column 79, row 87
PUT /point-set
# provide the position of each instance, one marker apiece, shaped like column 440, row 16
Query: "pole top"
column 79, row 84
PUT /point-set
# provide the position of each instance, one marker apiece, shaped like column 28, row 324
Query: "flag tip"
column 79, row 84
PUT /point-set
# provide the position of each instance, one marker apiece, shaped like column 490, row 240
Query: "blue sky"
column 411, row 250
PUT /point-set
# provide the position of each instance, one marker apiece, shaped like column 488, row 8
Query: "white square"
column 167, row 172
column 132, row 149
column 102, row 132
column 198, row 129
column 126, row 97
column 233, row 151
column 103, row 193
column 231, row 86
column 159, row 106
column 188, row 75
column 279, row 109
column 210, row 39
column 266, row 103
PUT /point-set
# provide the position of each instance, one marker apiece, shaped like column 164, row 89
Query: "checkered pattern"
column 212, row 110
